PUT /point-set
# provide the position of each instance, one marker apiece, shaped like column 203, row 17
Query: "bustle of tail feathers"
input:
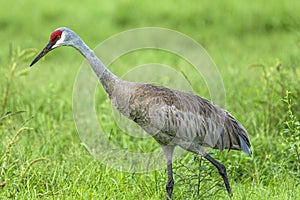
column 242, row 134
column 244, row 146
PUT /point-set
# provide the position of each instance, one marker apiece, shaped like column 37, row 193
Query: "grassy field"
column 256, row 46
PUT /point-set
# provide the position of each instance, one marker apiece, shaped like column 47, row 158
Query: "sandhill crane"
column 171, row 117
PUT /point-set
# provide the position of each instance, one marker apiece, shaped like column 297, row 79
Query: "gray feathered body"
column 171, row 117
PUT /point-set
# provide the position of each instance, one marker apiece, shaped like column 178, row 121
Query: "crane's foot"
column 222, row 172
column 168, row 151
column 169, row 188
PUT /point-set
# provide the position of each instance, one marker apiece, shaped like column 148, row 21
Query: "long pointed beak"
column 43, row 52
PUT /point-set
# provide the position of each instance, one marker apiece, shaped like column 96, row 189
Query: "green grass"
column 255, row 46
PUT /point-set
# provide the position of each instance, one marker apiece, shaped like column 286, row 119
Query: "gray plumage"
column 171, row 117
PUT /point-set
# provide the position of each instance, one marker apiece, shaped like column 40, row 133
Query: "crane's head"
column 59, row 37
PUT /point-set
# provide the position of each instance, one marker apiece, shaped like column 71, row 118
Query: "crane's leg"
column 196, row 148
column 222, row 172
column 168, row 151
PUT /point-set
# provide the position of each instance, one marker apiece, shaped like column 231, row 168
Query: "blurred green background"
column 255, row 45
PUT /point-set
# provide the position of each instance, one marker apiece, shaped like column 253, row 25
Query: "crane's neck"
column 107, row 78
